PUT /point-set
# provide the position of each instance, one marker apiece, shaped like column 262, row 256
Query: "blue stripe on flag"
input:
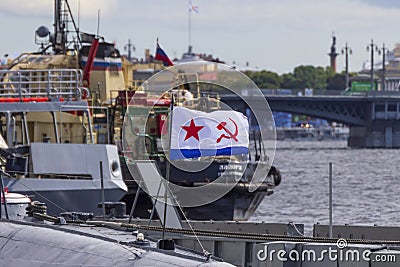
column 195, row 153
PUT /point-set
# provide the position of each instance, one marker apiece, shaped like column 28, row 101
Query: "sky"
column 275, row 35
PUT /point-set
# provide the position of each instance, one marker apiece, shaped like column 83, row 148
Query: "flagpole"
column 189, row 24
column 168, row 167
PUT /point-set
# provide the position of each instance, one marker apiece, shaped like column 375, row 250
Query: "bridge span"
column 373, row 119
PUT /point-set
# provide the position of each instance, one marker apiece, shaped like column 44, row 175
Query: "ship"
column 105, row 85
column 39, row 239
column 47, row 142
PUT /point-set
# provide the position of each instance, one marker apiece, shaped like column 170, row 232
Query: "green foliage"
column 308, row 77
column 301, row 78
column 336, row 82
column 288, row 81
column 264, row 79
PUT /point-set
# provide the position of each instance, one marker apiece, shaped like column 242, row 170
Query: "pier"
column 373, row 118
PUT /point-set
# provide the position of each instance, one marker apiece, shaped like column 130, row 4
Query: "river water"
column 366, row 185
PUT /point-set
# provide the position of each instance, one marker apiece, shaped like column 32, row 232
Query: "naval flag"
column 193, row 7
column 198, row 134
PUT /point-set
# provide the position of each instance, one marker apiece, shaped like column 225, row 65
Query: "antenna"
column 79, row 14
column 98, row 22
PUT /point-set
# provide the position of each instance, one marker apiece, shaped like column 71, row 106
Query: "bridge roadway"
column 373, row 119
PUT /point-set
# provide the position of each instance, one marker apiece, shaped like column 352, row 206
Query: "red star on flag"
column 192, row 130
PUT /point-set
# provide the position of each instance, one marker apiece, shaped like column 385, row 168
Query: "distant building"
column 387, row 78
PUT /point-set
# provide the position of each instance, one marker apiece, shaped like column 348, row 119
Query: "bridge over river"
column 373, row 118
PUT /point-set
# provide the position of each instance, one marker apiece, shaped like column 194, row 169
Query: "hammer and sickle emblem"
column 230, row 135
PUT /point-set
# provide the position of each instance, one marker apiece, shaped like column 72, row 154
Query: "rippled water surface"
column 366, row 185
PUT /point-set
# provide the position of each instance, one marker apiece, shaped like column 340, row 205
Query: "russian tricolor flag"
column 162, row 56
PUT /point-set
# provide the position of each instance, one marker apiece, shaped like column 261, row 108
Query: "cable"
column 205, row 252
column 32, row 190
column 295, row 228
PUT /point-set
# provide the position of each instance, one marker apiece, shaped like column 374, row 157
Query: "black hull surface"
column 237, row 204
column 233, row 206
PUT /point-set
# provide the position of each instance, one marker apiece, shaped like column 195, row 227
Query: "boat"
column 239, row 202
column 190, row 56
column 105, row 86
column 40, row 114
column 41, row 239
column 71, row 239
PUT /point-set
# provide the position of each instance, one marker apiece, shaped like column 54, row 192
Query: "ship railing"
column 210, row 100
column 41, row 85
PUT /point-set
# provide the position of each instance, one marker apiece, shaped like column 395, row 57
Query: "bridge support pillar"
column 382, row 126
column 388, row 137
column 357, row 137
column 379, row 134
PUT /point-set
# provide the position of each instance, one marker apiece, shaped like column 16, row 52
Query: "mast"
column 193, row 8
column 189, row 25
column 130, row 47
column 59, row 28
column 62, row 17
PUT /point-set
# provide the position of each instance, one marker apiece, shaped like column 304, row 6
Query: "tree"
column 301, row 78
column 265, row 79
column 310, row 77
column 336, row 82
column 288, row 81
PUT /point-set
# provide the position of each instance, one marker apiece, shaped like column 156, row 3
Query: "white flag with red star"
column 197, row 134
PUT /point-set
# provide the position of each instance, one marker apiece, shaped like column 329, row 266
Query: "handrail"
column 50, row 83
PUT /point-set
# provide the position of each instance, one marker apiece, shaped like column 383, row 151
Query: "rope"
column 52, row 202
column 206, row 253
column 295, row 228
